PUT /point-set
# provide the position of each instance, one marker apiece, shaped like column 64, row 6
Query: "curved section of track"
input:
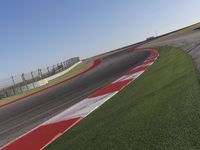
column 22, row 116
column 95, row 64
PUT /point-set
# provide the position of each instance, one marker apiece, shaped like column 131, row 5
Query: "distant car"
column 2, row 96
column 150, row 38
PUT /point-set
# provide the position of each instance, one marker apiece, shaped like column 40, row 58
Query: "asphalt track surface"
column 22, row 116
column 189, row 42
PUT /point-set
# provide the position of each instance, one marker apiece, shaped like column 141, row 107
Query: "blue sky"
column 37, row 33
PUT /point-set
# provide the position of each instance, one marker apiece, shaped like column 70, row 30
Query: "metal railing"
column 26, row 81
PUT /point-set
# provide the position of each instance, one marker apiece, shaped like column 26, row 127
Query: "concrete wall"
column 46, row 80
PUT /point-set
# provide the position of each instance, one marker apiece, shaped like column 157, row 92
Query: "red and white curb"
column 50, row 130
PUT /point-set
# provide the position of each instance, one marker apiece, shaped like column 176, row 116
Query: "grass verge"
column 76, row 70
column 160, row 110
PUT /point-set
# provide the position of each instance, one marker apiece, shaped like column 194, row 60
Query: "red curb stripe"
column 117, row 86
column 148, row 62
column 40, row 137
column 153, row 54
column 141, row 68
column 43, row 135
column 95, row 64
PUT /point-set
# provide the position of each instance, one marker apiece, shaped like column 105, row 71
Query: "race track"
column 22, row 116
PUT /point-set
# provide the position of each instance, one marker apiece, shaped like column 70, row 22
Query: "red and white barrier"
column 47, row 132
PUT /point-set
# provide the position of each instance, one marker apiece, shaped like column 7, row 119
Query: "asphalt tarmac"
column 189, row 42
column 22, row 116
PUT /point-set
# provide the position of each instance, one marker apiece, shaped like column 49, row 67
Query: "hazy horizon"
column 36, row 34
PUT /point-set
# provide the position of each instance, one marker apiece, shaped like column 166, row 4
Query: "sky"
column 38, row 33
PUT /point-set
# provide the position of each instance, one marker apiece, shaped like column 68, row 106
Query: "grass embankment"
column 76, row 70
column 160, row 110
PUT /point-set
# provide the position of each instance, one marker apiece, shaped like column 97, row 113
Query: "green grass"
column 159, row 111
column 79, row 68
